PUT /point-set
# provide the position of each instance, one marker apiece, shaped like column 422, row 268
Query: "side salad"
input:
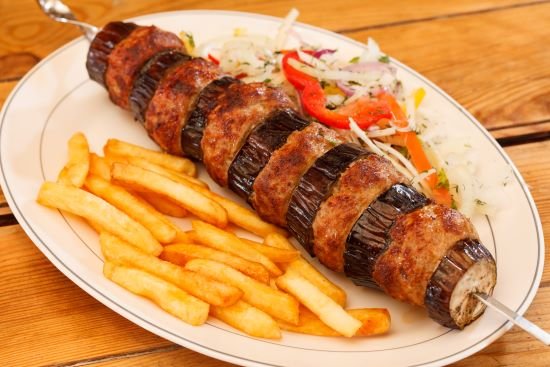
column 364, row 100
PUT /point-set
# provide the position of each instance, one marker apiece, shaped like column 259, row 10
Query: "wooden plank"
column 176, row 356
column 27, row 35
column 520, row 129
column 47, row 319
column 485, row 61
column 5, row 89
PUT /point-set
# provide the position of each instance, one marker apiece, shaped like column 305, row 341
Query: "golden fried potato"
column 248, row 319
column 330, row 312
column 182, row 253
column 197, row 203
column 99, row 167
column 164, row 205
column 198, row 285
column 273, row 302
column 275, row 254
column 219, row 239
column 95, row 209
column 374, row 321
column 75, row 171
column 178, row 164
column 166, row 295
column 307, row 270
column 136, row 208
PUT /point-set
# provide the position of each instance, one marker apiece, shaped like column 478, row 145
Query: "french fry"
column 219, row 239
column 75, row 171
column 182, row 253
column 273, row 302
column 166, row 295
column 173, row 175
column 95, row 226
column 374, row 321
column 99, row 167
column 237, row 214
column 246, row 218
column 198, row 285
column 248, row 319
column 95, row 209
column 164, row 205
column 275, row 254
column 178, row 164
column 183, row 237
column 307, row 270
column 330, row 312
column 198, row 204
column 161, row 228
column 192, row 237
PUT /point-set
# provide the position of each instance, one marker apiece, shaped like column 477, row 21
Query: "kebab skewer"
column 345, row 205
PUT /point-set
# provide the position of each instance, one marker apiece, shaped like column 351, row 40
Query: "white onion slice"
column 282, row 35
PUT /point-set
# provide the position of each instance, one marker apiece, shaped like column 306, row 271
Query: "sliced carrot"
column 418, row 157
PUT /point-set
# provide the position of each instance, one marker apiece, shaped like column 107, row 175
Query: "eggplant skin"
column 193, row 130
column 260, row 144
column 148, row 78
column 368, row 238
column 102, row 46
column 463, row 256
column 315, row 186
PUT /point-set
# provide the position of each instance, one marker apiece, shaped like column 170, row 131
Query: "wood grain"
column 27, row 35
column 485, row 61
column 490, row 55
column 47, row 319
column 175, row 357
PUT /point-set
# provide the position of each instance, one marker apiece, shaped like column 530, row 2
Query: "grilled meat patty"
column 345, row 205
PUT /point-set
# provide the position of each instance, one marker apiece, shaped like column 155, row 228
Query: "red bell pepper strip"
column 364, row 111
column 213, row 59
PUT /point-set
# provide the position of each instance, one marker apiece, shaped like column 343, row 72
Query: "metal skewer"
column 60, row 12
column 519, row 320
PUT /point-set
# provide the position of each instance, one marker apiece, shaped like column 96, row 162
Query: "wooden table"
column 492, row 56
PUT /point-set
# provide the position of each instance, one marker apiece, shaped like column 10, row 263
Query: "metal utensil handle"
column 519, row 320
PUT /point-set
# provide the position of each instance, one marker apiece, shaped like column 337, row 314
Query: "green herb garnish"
column 190, row 39
column 442, row 180
column 354, row 60
column 480, row 202
column 385, row 59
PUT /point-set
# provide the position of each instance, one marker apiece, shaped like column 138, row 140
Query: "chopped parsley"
column 403, row 150
column 442, row 180
column 353, row 82
column 453, row 203
column 190, row 39
column 385, row 59
column 354, row 60
column 267, row 80
column 480, row 202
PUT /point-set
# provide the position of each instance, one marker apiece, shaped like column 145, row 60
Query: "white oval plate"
column 56, row 99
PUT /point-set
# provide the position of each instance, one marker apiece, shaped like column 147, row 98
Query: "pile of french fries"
column 128, row 195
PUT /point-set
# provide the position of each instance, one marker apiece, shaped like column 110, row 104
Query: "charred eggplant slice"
column 467, row 268
column 149, row 76
column 314, row 186
column 368, row 238
column 102, row 45
column 193, row 129
column 261, row 143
